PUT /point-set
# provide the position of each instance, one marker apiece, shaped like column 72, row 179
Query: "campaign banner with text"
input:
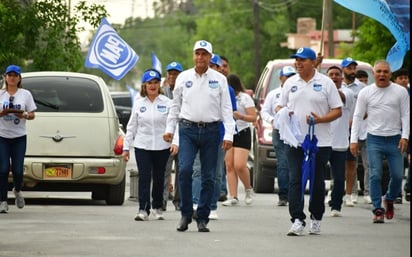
column 110, row 53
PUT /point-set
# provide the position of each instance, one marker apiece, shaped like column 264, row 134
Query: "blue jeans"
column 296, row 202
column 205, row 140
column 281, row 150
column 337, row 162
column 12, row 149
column 152, row 167
column 379, row 147
column 218, row 180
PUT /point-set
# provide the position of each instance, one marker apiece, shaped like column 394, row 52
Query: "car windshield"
column 65, row 94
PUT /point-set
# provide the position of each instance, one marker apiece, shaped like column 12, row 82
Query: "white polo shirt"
column 268, row 108
column 243, row 101
column 202, row 98
column 319, row 95
column 147, row 124
column 340, row 126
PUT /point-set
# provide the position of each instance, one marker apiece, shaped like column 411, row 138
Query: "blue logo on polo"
column 143, row 109
column 162, row 108
column 189, row 84
column 317, row 87
column 277, row 95
column 213, row 84
column 294, row 89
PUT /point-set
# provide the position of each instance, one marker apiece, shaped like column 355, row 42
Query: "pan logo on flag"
column 110, row 53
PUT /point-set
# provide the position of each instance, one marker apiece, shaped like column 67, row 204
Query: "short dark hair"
column 224, row 58
column 400, row 72
column 334, row 67
column 361, row 74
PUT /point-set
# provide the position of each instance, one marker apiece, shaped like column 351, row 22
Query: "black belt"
column 199, row 124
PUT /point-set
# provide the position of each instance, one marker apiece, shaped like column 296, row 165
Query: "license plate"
column 52, row 171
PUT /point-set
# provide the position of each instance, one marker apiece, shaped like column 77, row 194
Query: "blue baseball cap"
column 150, row 75
column 216, row 60
column 287, row 71
column 13, row 68
column 348, row 61
column 174, row 66
column 304, row 53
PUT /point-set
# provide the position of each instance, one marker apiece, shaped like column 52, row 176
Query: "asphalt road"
column 70, row 224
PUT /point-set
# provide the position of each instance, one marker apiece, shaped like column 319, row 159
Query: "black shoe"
column 398, row 200
column 202, row 227
column 184, row 224
column 177, row 206
column 222, row 197
column 408, row 197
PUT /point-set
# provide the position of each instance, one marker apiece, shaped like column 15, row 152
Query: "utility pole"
column 256, row 32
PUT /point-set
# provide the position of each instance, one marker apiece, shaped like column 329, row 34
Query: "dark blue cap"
column 174, row 66
column 150, row 75
column 304, row 53
column 13, row 68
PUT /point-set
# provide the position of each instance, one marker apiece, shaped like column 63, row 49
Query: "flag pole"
column 322, row 29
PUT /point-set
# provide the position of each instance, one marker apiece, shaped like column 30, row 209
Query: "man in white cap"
column 196, row 90
column 309, row 95
column 281, row 148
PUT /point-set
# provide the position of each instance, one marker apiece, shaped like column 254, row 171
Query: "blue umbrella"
column 310, row 149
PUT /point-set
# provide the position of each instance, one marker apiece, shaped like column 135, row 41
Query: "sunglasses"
column 11, row 99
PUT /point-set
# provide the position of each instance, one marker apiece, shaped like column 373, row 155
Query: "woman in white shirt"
column 145, row 133
column 236, row 157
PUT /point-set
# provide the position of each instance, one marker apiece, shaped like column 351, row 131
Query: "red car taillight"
column 118, row 146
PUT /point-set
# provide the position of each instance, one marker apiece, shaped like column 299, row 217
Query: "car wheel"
column 262, row 182
column 115, row 193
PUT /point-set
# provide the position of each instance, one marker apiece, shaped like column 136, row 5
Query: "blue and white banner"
column 156, row 64
column 395, row 16
column 110, row 53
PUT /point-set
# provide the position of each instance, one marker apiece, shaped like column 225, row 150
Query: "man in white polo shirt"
column 201, row 99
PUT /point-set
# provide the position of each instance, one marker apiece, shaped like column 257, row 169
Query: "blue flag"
column 110, row 53
column 394, row 15
column 156, row 64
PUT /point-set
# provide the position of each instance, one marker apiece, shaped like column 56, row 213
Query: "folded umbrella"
column 310, row 149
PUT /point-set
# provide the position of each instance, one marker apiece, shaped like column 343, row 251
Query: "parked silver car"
column 71, row 142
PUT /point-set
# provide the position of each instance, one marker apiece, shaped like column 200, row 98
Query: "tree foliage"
column 43, row 35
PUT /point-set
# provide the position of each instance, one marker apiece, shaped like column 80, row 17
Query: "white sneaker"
column 19, row 199
column 367, row 199
column 348, row 201
column 4, row 207
column 354, row 198
column 314, row 227
column 194, row 206
column 231, row 201
column 335, row 213
column 249, row 196
column 158, row 214
column 213, row 215
column 296, row 229
column 141, row 216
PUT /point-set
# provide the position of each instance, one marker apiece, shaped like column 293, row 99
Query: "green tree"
column 44, row 33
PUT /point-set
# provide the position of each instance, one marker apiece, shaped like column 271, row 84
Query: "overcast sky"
column 120, row 10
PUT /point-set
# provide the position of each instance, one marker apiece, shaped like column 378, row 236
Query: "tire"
column 115, row 193
column 262, row 182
